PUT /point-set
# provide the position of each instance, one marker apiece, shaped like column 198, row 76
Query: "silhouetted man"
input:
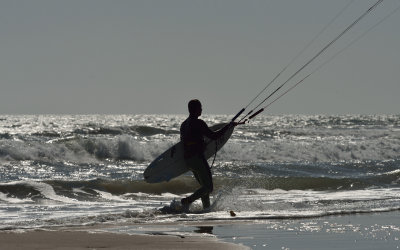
column 193, row 131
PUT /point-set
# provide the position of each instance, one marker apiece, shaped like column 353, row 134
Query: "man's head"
column 194, row 107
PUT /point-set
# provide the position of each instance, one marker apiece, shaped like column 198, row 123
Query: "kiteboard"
column 171, row 163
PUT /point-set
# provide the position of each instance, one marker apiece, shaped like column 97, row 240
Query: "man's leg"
column 202, row 173
column 206, row 181
column 205, row 199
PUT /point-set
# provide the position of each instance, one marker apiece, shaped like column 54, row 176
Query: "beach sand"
column 85, row 240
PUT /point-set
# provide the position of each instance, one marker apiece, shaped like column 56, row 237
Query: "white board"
column 171, row 163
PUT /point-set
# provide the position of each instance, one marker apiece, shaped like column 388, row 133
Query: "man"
column 193, row 131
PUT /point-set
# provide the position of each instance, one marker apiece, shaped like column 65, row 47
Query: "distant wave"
column 120, row 130
column 82, row 149
column 126, row 147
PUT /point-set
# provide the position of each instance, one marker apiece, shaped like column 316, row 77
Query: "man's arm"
column 206, row 131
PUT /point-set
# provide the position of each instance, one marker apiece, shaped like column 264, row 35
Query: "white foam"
column 110, row 197
column 5, row 198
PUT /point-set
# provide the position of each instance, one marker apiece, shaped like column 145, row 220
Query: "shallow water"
column 360, row 231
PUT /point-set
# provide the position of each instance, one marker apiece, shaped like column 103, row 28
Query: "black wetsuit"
column 193, row 131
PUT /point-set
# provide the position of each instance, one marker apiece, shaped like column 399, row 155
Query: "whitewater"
column 75, row 170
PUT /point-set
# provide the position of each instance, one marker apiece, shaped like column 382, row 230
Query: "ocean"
column 79, row 170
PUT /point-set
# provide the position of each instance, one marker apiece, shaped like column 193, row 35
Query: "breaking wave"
column 83, row 149
column 62, row 190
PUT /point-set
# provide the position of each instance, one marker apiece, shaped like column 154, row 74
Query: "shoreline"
column 355, row 231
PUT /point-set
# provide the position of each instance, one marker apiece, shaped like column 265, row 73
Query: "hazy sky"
column 132, row 57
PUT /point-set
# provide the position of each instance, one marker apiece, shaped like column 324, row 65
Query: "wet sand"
column 85, row 240
column 353, row 231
